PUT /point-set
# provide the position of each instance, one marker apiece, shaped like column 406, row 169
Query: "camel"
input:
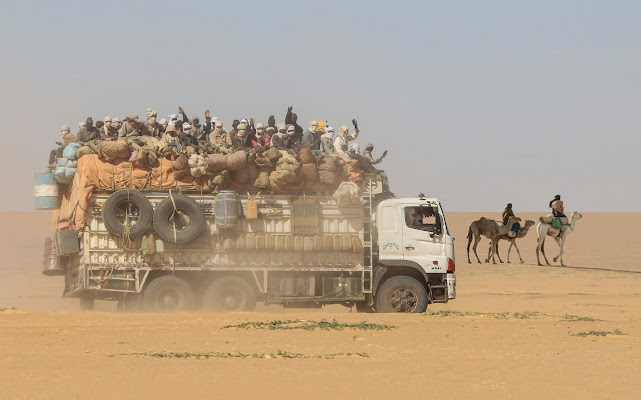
column 544, row 229
column 491, row 230
column 520, row 234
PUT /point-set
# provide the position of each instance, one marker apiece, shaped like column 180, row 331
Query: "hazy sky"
column 479, row 103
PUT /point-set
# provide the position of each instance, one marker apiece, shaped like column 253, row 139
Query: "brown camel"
column 520, row 234
column 491, row 230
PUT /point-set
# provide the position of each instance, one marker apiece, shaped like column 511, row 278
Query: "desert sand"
column 517, row 331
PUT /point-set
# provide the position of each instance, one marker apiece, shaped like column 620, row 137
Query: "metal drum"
column 46, row 191
column 226, row 210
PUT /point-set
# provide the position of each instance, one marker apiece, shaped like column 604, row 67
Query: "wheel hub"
column 403, row 300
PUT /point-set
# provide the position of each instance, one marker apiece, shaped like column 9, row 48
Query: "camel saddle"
column 556, row 222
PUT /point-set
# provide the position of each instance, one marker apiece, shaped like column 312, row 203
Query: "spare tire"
column 131, row 206
column 180, row 224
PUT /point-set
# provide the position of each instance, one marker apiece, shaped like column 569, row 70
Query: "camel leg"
column 560, row 241
column 496, row 250
column 543, row 252
column 469, row 241
column 492, row 246
column 477, row 239
column 518, row 251
column 509, row 249
column 540, row 239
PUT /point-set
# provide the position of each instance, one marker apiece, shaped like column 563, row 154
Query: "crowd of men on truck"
column 190, row 136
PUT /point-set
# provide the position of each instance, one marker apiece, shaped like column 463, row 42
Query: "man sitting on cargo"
column 279, row 139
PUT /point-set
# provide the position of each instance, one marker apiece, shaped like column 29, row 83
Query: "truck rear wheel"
column 87, row 303
column 229, row 293
column 168, row 294
column 401, row 294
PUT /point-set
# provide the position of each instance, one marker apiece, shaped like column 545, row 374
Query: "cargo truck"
column 167, row 250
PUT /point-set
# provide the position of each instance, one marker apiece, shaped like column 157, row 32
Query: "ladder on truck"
column 368, row 253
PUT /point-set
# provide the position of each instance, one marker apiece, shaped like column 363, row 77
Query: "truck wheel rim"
column 232, row 299
column 403, row 299
column 170, row 300
column 127, row 211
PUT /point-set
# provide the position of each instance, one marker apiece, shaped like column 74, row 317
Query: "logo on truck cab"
column 389, row 245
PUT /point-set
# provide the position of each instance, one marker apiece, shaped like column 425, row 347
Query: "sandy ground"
column 480, row 349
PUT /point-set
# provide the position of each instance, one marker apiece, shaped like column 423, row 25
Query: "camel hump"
column 547, row 219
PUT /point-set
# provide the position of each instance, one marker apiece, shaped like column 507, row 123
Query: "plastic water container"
column 289, row 243
column 251, row 241
column 270, row 242
column 226, row 210
column 308, row 243
column 46, row 191
column 260, row 242
column 328, row 241
column 241, row 242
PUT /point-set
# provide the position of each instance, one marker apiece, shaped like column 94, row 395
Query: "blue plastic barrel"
column 46, row 191
column 226, row 210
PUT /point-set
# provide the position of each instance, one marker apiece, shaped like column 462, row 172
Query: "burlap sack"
column 216, row 162
column 115, row 150
column 180, row 166
column 310, row 173
column 305, row 156
column 83, row 151
column 326, row 177
column 240, row 175
column 272, row 154
column 220, row 180
column 236, row 161
column 262, row 182
column 347, row 193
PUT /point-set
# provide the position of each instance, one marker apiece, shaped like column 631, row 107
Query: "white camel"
column 544, row 229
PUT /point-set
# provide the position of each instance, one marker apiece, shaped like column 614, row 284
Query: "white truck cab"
column 413, row 236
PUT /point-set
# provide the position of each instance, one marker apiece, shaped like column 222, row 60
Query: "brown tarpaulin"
column 94, row 174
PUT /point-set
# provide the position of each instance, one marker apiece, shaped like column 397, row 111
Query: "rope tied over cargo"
column 126, row 239
column 173, row 215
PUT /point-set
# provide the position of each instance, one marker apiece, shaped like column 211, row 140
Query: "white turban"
column 355, row 147
column 186, row 127
column 329, row 132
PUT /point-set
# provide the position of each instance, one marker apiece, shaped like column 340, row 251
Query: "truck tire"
column 401, row 294
column 186, row 217
column 362, row 307
column 229, row 293
column 168, row 294
column 87, row 303
column 127, row 203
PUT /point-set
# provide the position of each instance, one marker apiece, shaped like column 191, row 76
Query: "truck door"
column 422, row 235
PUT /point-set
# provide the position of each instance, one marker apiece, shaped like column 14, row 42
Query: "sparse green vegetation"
column 211, row 355
column 508, row 315
column 598, row 333
column 7, row 308
column 309, row 325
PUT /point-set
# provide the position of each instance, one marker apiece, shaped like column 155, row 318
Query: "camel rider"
column 507, row 213
column 557, row 207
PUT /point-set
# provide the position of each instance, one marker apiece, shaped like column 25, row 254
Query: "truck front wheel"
column 401, row 294
column 229, row 293
column 168, row 294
